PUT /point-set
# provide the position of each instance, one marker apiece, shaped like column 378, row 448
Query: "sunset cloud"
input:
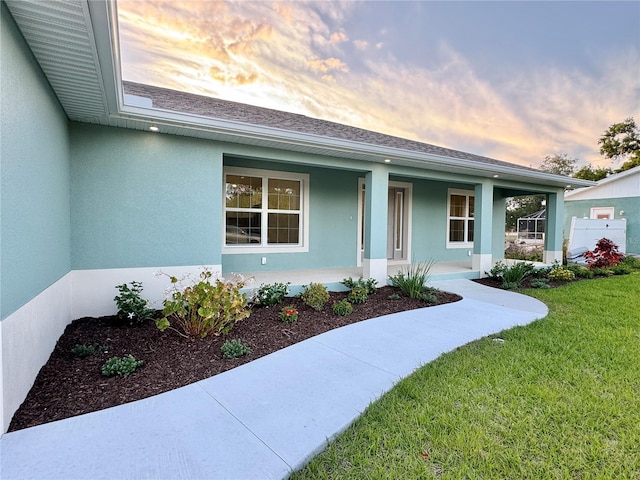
column 298, row 56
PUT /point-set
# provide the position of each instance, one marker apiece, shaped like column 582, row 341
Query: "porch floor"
column 333, row 276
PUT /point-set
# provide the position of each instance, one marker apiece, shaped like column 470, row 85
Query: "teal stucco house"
column 105, row 182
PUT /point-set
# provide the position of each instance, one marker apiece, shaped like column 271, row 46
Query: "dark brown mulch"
column 67, row 385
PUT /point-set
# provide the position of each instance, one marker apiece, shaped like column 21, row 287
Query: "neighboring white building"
column 614, row 197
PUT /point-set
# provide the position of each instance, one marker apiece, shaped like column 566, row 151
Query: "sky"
column 511, row 80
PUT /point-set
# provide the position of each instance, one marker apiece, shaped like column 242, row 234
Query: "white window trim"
column 303, row 246
column 455, row 191
column 595, row 211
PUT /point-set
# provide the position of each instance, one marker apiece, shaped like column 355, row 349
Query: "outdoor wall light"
column 153, row 128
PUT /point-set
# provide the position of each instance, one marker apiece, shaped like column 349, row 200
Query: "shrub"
column 342, row 308
column 622, row 269
column 132, row 308
column 605, row 255
column 81, row 350
column 234, row 349
column 357, row 295
column 428, row 295
column 124, row 366
column 580, row 271
column 411, row 280
column 601, row 272
column 497, row 270
column 369, row 285
column 540, row 283
column 631, row 261
column 271, row 294
column 561, row 274
column 315, row 295
column 204, row 308
column 513, row 276
column 289, row 314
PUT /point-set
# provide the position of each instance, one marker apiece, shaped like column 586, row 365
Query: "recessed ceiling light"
column 153, row 128
column 387, row 160
column 496, row 176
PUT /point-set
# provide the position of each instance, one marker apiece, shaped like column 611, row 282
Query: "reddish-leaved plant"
column 605, row 255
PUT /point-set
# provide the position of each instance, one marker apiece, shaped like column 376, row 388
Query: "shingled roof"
column 173, row 100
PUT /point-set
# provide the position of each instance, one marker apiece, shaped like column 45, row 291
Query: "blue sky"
column 511, row 80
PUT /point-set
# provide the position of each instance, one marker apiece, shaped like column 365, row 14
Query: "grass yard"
column 557, row 399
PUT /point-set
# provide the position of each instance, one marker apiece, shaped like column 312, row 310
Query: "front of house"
column 91, row 197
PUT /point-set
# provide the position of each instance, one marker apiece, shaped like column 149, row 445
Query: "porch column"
column 499, row 226
column 374, row 264
column 216, row 218
column 483, row 227
column 553, row 227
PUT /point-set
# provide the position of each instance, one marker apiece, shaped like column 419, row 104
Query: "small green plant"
column 428, row 295
column 622, row 269
column 540, row 283
column 289, row 314
column 124, row 366
column 513, row 275
column 411, row 279
column 357, row 295
column 369, row 285
column 497, row 270
column 394, row 296
column 205, row 308
column 561, row 274
column 342, row 307
column 580, row 271
column 631, row 261
column 234, row 349
column 133, row 310
column 82, row 350
column 271, row 294
column 315, row 295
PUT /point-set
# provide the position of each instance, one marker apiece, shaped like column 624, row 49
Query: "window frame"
column 466, row 218
column 302, row 245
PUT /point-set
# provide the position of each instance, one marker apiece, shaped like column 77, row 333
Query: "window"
column 460, row 214
column 264, row 211
column 602, row 213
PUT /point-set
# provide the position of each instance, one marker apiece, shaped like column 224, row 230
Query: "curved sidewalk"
column 268, row 417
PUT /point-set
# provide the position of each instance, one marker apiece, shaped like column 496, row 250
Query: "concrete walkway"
column 266, row 418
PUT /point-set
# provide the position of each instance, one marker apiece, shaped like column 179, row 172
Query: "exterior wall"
column 141, row 199
column 333, row 221
column 34, row 220
column 630, row 206
column 429, row 239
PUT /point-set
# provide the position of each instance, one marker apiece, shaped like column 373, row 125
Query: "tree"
column 559, row 164
column 590, row 173
column 622, row 140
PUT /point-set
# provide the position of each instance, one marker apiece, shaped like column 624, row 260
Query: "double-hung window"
column 460, row 218
column 265, row 211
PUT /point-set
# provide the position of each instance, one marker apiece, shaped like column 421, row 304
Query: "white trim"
column 29, row 335
column 551, row 256
column 595, row 211
column 303, row 246
column 375, row 268
column 482, row 262
column 93, row 290
column 467, row 193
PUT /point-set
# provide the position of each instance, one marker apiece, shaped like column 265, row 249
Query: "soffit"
column 60, row 36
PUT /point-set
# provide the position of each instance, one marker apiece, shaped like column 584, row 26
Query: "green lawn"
column 558, row 399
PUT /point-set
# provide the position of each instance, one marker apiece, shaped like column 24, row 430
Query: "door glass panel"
column 399, row 207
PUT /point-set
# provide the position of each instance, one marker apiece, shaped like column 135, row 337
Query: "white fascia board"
column 416, row 159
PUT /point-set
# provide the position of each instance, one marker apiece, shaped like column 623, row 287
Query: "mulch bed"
column 68, row 385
